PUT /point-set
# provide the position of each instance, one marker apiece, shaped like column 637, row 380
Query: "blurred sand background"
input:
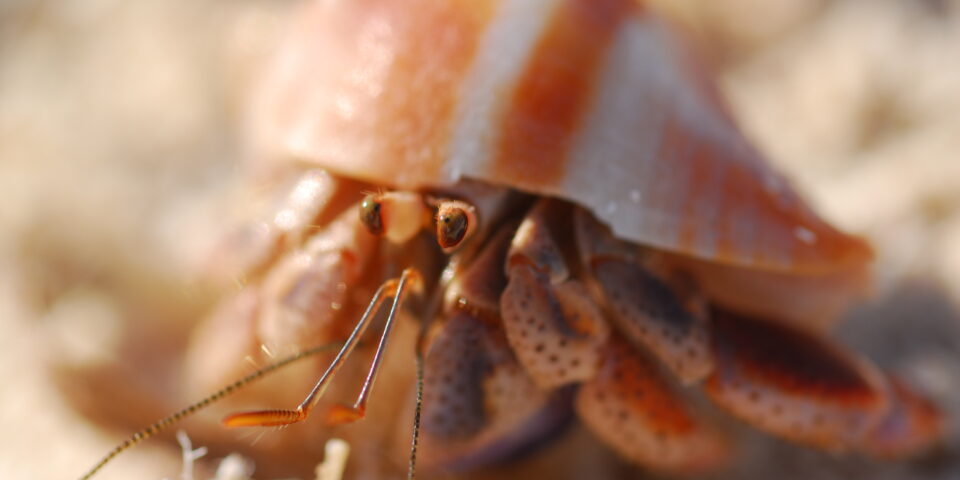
column 120, row 155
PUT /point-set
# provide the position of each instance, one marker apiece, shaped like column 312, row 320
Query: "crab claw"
column 552, row 323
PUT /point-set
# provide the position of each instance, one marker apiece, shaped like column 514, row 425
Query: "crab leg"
column 794, row 384
column 550, row 320
column 912, row 425
column 478, row 402
column 777, row 377
column 560, row 335
column 479, row 405
column 634, row 409
column 650, row 308
column 394, row 288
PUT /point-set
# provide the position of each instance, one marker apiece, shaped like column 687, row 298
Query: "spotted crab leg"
column 552, row 324
column 632, row 406
column 912, row 425
column 479, row 404
column 395, row 288
column 772, row 374
column 652, row 308
column 795, row 384
column 560, row 334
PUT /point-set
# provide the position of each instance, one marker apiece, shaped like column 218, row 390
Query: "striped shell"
column 594, row 101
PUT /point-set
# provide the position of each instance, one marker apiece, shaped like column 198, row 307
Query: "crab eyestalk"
column 456, row 222
column 398, row 216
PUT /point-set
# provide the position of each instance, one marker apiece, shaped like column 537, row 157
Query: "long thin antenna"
column 162, row 424
column 415, row 441
column 433, row 309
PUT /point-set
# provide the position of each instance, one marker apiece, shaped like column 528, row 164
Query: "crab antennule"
column 344, row 414
column 391, row 288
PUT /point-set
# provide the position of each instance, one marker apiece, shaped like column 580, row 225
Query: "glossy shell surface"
column 597, row 102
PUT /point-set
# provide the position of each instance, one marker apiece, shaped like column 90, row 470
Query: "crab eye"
column 370, row 214
column 455, row 221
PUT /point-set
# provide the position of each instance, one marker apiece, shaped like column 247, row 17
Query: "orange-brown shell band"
column 555, row 90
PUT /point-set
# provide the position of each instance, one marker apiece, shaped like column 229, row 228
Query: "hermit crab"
column 556, row 191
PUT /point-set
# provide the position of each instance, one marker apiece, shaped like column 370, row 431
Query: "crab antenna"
column 415, row 440
column 264, row 418
column 162, row 424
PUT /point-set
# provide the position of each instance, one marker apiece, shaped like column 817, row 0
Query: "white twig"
column 190, row 455
column 335, row 456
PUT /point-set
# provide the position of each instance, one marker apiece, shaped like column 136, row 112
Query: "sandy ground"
column 119, row 156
